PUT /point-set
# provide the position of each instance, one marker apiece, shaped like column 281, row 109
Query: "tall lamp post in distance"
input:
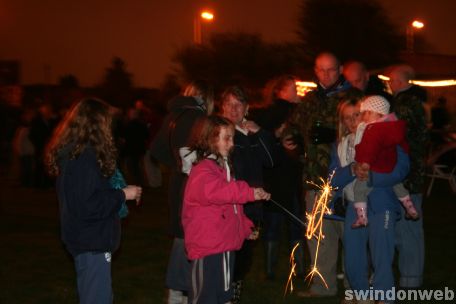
column 410, row 34
column 202, row 16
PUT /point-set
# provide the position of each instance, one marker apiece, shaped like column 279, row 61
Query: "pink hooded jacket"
column 212, row 217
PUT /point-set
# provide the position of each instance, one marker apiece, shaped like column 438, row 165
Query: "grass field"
column 35, row 268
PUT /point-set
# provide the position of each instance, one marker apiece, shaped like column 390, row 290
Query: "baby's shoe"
column 361, row 217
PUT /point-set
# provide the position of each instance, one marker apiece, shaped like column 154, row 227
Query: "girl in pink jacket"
column 213, row 218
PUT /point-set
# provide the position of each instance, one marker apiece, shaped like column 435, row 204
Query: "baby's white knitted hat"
column 375, row 103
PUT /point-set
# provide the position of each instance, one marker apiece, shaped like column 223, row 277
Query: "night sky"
column 52, row 38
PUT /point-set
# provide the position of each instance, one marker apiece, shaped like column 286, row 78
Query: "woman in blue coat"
column 383, row 208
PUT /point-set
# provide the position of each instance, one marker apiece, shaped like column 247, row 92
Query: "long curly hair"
column 87, row 123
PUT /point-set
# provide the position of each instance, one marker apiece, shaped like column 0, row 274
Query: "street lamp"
column 206, row 16
column 410, row 34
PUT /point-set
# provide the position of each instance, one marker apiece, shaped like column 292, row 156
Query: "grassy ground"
column 36, row 269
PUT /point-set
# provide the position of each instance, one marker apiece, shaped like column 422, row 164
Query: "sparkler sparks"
column 315, row 220
column 314, row 228
column 292, row 271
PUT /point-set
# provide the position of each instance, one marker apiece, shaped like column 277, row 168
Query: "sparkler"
column 288, row 212
column 292, row 271
column 314, row 228
column 315, row 220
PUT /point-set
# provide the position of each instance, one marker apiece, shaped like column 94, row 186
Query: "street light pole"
column 197, row 30
column 205, row 16
column 410, row 34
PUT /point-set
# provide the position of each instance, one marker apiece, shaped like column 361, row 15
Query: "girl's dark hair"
column 237, row 92
column 87, row 123
column 206, row 136
column 275, row 85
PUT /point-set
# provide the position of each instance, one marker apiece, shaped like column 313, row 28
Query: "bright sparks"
column 292, row 270
column 314, row 229
column 315, row 220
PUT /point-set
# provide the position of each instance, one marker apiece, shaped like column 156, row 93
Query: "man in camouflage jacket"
column 316, row 119
column 316, row 116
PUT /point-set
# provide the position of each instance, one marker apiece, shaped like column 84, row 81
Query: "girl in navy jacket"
column 82, row 155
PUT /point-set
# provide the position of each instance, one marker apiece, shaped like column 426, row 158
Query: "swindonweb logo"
column 393, row 295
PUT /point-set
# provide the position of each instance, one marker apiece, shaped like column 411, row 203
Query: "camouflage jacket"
column 409, row 107
column 316, row 119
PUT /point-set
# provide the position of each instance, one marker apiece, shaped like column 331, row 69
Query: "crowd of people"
column 133, row 131
column 338, row 127
column 227, row 162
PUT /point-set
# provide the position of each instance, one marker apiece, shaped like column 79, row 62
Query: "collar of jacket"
column 340, row 86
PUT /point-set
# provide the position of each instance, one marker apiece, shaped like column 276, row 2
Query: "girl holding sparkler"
column 213, row 218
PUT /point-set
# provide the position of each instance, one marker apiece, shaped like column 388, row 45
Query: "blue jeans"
column 93, row 270
column 410, row 247
column 178, row 271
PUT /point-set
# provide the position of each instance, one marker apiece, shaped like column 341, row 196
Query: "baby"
column 376, row 140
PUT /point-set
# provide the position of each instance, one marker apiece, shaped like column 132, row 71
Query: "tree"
column 352, row 29
column 68, row 90
column 68, row 81
column 237, row 58
column 117, row 85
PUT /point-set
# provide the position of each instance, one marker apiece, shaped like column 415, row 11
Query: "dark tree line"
column 352, row 29
column 230, row 58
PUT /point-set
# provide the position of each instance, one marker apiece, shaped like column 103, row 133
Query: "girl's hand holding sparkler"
column 133, row 193
column 260, row 194
column 255, row 234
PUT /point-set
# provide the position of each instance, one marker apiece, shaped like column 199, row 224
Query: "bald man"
column 356, row 73
column 316, row 119
column 408, row 105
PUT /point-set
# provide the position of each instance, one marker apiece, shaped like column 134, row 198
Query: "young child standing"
column 213, row 218
column 377, row 138
column 82, row 155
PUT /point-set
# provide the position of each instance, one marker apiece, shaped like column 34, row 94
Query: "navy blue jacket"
column 89, row 206
column 251, row 154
